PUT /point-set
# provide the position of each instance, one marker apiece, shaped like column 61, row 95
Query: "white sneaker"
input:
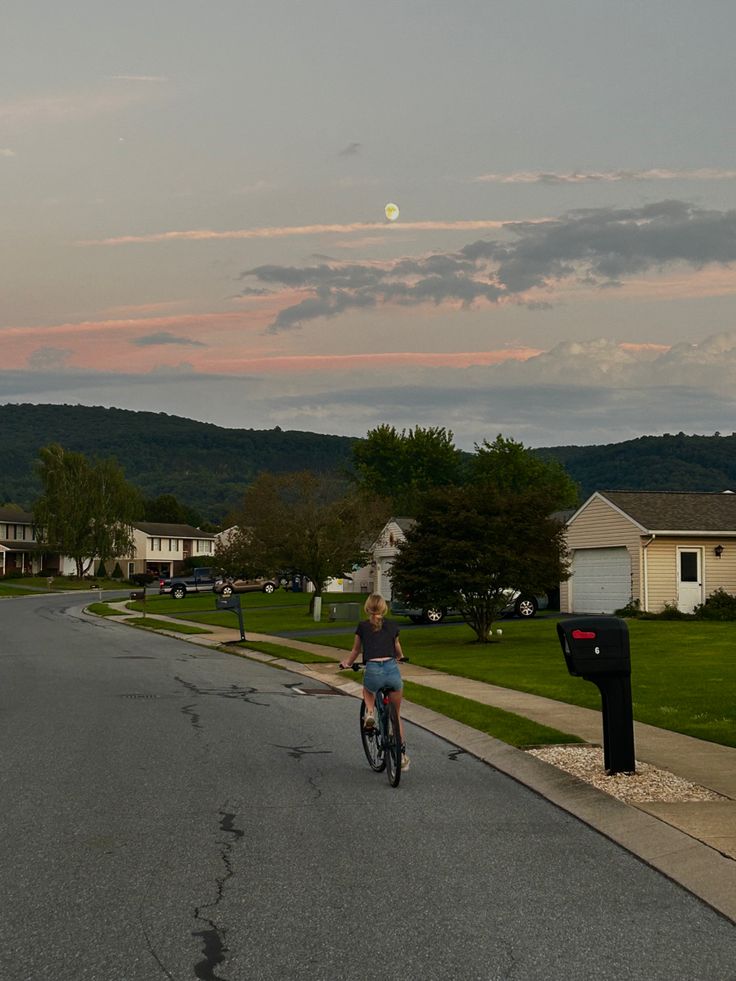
column 405, row 761
column 369, row 721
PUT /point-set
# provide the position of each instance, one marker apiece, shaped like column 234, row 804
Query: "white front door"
column 690, row 578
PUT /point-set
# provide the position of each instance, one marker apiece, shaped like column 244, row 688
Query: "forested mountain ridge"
column 203, row 465
column 208, row 467
column 655, row 463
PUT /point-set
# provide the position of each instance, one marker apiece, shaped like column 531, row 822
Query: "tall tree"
column 167, row 508
column 304, row 522
column 512, row 468
column 401, row 466
column 471, row 544
column 86, row 509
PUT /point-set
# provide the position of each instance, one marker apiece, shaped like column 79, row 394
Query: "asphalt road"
column 168, row 812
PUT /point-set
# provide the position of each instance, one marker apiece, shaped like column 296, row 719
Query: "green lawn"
column 104, row 610
column 276, row 613
column 6, row 590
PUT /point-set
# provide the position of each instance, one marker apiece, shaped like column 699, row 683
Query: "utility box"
column 345, row 611
column 597, row 649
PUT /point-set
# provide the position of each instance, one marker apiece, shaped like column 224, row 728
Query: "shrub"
column 102, row 571
column 117, row 572
column 630, row 611
column 670, row 611
column 720, row 605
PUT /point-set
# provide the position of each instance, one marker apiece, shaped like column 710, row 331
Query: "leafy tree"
column 401, row 466
column 470, row 544
column 305, row 522
column 86, row 509
column 167, row 508
column 512, row 468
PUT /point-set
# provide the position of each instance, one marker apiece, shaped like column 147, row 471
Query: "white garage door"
column 601, row 580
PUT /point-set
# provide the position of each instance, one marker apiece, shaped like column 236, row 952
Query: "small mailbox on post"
column 232, row 602
column 597, row 649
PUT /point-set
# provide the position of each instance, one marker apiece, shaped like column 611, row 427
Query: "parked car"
column 227, row 585
column 199, row 580
column 518, row 604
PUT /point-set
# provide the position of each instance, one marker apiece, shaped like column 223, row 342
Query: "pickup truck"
column 200, row 580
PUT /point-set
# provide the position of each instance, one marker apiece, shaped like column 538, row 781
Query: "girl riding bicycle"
column 378, row 639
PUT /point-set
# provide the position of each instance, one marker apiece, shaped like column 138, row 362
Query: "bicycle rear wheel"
column 372, row 745
column 393, row 746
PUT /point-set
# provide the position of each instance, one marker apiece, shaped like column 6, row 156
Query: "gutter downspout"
column 646, row 573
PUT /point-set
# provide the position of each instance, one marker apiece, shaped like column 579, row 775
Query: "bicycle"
column 382, row 744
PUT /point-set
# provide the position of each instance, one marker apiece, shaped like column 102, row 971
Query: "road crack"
column 213, row 937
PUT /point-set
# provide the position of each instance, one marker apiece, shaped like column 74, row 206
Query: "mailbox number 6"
column 597, row 650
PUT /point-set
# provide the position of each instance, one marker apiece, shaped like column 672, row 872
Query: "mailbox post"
column 232, row 602
column 597, row 649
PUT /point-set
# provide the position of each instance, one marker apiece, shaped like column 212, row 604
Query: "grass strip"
column 104, row 610
column 506, row 726
column 288, row 653
column 150, row 623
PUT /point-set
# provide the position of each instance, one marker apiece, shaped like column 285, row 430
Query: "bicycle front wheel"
column 393, row 746
column 372, row 744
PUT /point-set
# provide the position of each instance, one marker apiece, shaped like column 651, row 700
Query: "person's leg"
column 370, row 700
column 396, row 700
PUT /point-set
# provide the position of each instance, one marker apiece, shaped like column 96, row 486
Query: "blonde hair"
column 375, row 608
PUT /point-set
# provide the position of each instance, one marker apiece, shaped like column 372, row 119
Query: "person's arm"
column 352, row 655
column 397, row 649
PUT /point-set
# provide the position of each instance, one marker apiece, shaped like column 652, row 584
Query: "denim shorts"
column 383, row 674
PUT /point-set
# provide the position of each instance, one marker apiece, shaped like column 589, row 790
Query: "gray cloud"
column 164, row 337
column 599, row 246
column 48, row 358
column 608, row 176
column 350, row 150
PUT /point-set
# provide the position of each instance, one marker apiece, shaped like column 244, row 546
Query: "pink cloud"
column 287, row 231
column 300, row 364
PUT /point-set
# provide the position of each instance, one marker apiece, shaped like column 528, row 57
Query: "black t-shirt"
column 377, row 643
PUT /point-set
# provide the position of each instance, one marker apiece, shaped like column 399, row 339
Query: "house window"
column 688, row 566
column 150, row 544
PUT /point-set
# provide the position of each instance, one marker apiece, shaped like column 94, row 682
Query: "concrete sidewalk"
column 693, row 843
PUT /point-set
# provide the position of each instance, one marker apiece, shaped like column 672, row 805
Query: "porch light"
column 718, row 551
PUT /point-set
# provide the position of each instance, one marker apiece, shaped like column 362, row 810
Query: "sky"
column 192, row 214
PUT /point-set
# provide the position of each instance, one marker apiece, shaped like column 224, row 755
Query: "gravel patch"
column 647, row 784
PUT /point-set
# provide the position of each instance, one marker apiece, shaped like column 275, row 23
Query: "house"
column 22, row 552
column 650, row 547
column 163, row 547
column 385, row 549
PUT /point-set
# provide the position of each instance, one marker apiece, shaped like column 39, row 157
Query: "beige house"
column 656, row 548
column 162, row 548
column 385, row 549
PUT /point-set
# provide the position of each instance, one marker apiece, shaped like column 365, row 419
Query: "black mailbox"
column 231, row 602
column 597, row 649
column 595, row 645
